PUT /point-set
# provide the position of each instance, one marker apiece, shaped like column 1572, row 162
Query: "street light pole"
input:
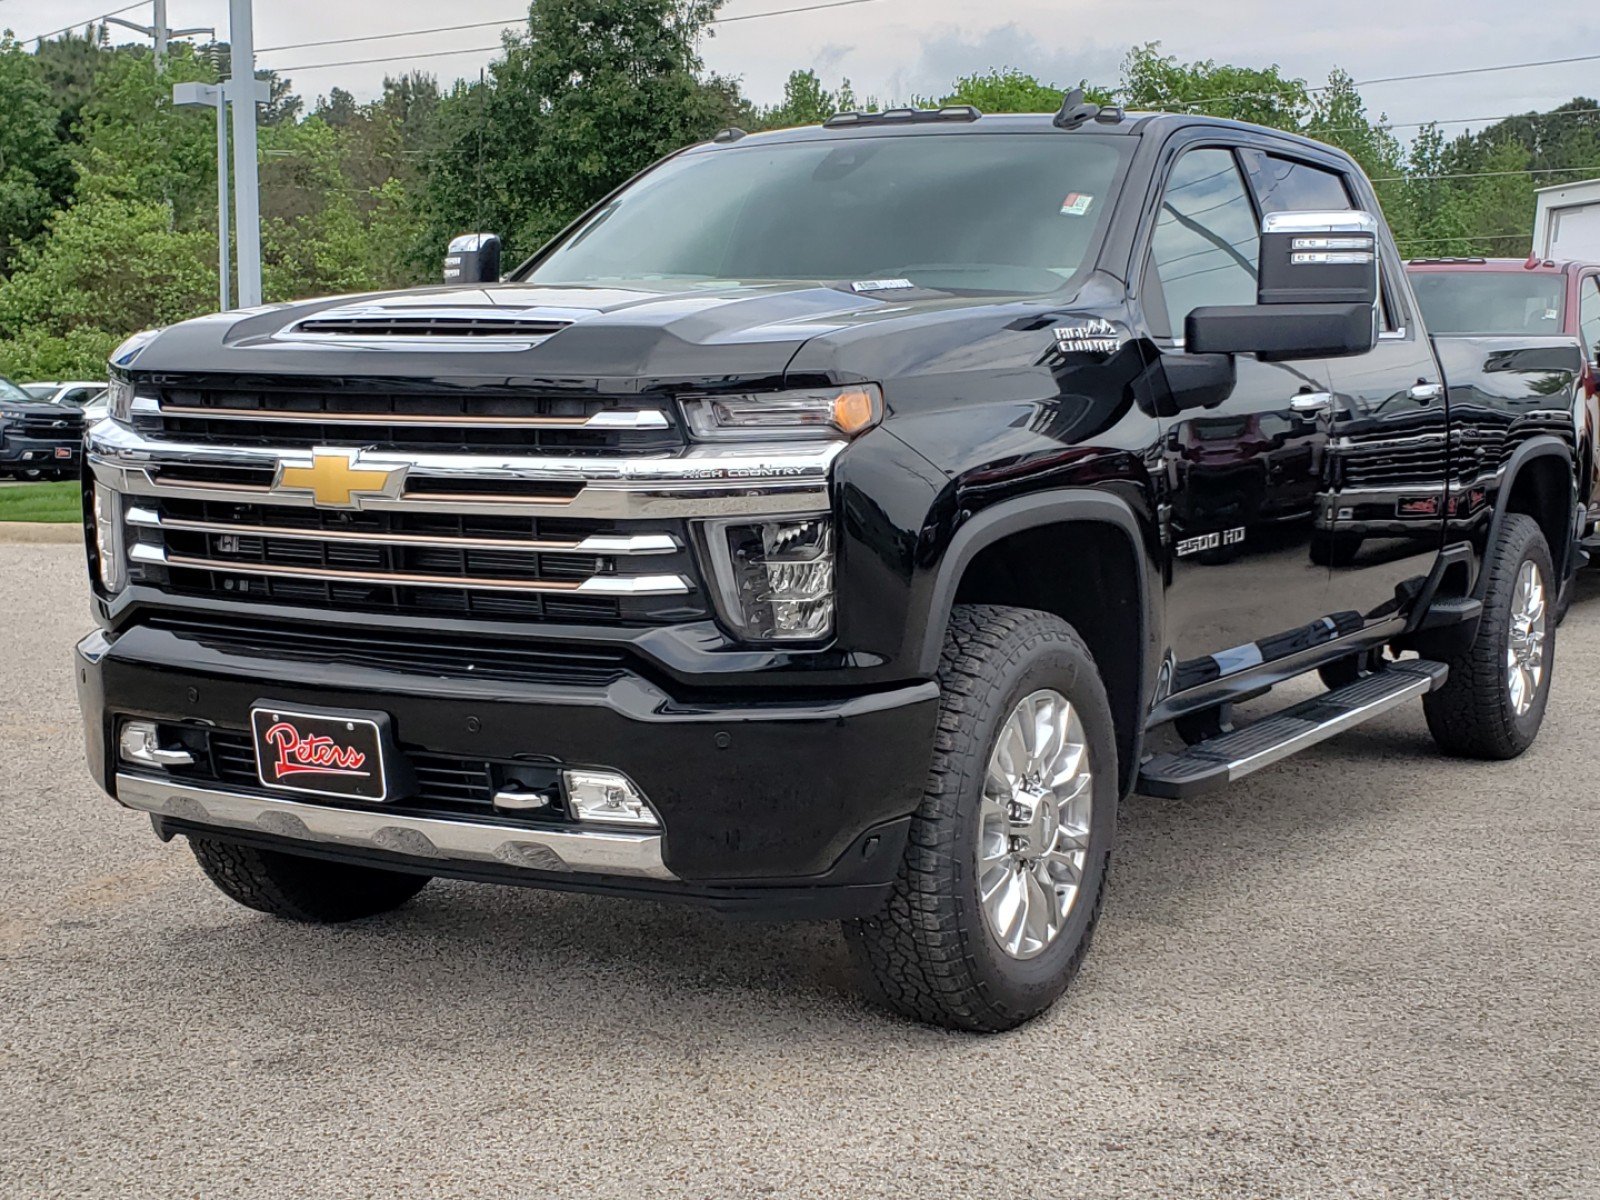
column 212, row 95
column 244, row 93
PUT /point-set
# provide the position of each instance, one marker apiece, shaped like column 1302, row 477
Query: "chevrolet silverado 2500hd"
column 834, row 522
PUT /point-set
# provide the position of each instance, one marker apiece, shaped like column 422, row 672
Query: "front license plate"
column 63, row 451
column 320, row 753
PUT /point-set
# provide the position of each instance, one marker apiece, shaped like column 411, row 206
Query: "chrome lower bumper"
column 600, row 852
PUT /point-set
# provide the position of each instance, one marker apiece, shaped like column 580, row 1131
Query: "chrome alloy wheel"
column 1033, row 832
column 1525, row 646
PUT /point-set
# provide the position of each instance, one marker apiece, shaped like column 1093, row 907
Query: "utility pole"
column 160, row 31
column 243, row 90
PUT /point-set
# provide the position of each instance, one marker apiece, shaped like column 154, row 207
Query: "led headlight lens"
column 776, row 578
column 823, row 413
column 108, row 539
column 119, row 400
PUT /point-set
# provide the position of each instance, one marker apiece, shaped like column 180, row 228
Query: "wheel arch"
column 1539, row 482
column 978, row 567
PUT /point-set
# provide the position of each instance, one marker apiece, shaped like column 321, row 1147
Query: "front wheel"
column 1493, row 703
column 299, row 888
column 1005, row 870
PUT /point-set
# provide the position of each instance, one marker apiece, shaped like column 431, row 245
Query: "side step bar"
column 1219, row 761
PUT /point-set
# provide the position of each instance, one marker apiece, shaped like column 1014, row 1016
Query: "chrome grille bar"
column 705, row 481
column 599, row 544
column 595, row 585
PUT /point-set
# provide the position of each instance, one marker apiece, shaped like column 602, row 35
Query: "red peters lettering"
column 300, row 753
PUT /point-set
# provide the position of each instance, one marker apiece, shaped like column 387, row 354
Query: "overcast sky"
column 895, row 48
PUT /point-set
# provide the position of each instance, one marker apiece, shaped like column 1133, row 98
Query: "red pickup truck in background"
column 1495, row 296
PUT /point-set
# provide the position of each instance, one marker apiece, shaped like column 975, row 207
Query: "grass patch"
column 60, row 503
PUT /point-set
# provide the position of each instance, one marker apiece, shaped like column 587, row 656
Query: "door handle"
column 1426, row 393
column 1311, row 404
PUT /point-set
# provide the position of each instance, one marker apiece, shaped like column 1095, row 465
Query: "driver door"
column 1244, row 478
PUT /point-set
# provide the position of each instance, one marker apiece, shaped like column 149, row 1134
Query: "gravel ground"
column 1369, row 971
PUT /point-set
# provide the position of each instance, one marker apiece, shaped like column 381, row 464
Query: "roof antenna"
column 1075, row 110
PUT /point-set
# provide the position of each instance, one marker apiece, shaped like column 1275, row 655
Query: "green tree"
column 593, row 92
column 1152, row 80
column 1011, row 91
column 805, row 102
column 35, row 174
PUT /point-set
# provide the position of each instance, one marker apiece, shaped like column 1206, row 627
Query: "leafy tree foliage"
column 35, row 175
column 593, row 92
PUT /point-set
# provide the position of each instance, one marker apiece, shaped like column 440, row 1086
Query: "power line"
column 522, row 20
column 1360, row 83
column 115, row 12
column 1486, row 174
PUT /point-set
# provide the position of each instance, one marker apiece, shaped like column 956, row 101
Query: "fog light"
column 141, row 743
column 608, row 797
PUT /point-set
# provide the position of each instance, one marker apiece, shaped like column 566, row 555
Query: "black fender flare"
column 1541, row 446
column 1064, row 506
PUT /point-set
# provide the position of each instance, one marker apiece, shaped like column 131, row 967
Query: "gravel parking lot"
column 1369, row 971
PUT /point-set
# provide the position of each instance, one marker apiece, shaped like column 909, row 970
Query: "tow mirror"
column 473, row 258
column 1317, row 292
column 1319, row 258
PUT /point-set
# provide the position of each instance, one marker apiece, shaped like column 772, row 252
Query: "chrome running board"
column 1219, row 761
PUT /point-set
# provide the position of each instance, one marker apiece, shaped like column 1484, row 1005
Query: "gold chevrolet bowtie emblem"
column 335, row 481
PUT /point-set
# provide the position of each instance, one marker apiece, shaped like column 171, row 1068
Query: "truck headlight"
column 119, row 400
column 813, row 413
column 109, row 549
column 775, row 578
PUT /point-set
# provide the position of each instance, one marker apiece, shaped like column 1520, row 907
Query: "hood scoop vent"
column 429, row 326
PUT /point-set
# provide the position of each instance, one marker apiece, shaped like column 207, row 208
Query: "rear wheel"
column 1493, row 703
column 299, row 888
column 1004, row 876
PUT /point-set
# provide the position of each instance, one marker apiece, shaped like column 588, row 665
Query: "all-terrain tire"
column 1472, row 714
column 929, row 953
column 299, row 888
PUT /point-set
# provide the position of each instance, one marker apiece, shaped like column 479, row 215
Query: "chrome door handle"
column 1426, row 393
column 1311, row 404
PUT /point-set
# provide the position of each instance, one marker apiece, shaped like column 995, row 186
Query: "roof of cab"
column 1130, row 124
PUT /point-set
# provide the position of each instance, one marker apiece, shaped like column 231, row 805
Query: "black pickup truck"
column 836, row 522
column 38, row 440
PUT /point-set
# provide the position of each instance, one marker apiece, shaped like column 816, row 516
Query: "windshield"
column 34, row 391
column 1491, row 302
column 967, row 212
column 10, row 391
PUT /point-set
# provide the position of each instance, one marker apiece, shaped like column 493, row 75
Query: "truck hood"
column 639, row 331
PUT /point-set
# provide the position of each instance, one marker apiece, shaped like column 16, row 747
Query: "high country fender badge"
column 1098, row 336
column 336, row 478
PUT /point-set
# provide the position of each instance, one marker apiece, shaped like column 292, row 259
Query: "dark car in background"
column 1498, row 296
column 38, row 439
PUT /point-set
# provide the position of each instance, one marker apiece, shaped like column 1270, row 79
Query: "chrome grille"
column 422, row 562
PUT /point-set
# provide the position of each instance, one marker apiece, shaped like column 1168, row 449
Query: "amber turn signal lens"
column 854, row 411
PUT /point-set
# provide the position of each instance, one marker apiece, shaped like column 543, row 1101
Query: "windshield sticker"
column 882, row 285
column 1076, row 204
column 1097, row 337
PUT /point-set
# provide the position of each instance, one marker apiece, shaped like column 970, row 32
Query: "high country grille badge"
column 336, row 479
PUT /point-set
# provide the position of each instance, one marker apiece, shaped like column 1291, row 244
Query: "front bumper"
column 41, row 454
column 782, row 805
